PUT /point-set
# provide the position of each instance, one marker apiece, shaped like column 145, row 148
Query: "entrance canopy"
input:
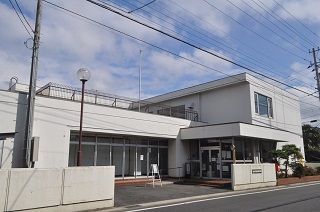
column 237, row 129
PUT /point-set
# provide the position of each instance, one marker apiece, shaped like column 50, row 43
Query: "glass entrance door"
column 210, row 162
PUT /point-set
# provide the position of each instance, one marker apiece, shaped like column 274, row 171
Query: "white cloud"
column 69, row 43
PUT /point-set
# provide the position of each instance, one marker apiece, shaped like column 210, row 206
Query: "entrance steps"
column 183, row 181
column 206, row 182
column 135, row 181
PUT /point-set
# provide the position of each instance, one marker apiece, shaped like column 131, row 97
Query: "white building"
column 197, row 125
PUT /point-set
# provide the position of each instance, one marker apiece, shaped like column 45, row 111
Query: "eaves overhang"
column 237, row 129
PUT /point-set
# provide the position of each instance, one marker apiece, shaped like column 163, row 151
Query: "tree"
column 288, row 151
column 311, row 137
column 311, row 140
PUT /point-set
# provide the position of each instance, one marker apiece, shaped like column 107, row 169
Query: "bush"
column 309, row 171
column 280, row 175
column 318, row 170
column 298, row 170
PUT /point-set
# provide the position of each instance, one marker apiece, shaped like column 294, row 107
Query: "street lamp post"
column 83, row 75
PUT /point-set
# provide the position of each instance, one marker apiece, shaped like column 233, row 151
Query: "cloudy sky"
column 271, row 37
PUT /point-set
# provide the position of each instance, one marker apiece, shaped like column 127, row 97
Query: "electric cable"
column 194, row 46
column 273, row 43
column 283, row 22
column 21, row 19
column 109, row 27
column 297, row 19
column 271, row 30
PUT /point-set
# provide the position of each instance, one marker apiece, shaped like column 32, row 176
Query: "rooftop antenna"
column 140, row 81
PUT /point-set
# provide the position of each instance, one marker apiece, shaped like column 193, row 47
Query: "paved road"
column 303, row 197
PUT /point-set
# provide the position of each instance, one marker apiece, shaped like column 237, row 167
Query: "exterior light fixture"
column 83, row 75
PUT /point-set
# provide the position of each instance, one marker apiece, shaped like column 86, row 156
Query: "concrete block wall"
column 246, row 176
column 67, row 189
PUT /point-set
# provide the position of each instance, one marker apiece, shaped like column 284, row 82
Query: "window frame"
column 268, row 105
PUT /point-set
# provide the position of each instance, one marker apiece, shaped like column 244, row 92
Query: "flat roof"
column 237, row 129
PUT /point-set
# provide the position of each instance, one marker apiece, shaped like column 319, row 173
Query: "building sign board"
column 256, row 171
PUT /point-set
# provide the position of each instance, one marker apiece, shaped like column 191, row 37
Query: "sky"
column 271, row 37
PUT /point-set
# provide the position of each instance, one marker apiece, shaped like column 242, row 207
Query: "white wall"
column 227, row 104
column 54, row 118
column 247, row 176
column 286, row 111
column 178, row 155
column 13, row 113
column 6, row 149
column 69, row 189
column 220, row 105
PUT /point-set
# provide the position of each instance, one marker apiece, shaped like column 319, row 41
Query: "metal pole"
column 32, row 86
column 140, row 81
column 316, row 69
column 79, row 159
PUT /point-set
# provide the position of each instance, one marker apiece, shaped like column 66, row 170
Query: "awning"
column 237, row 130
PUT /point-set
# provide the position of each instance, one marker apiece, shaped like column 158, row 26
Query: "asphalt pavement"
column 132, row 196
column 179, row 197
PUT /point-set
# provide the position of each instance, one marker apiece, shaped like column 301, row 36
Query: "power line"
column 273, row 43
column 239, row 52
column 254, row 61
column 271, row 30
column 164, row 50
column 141, row 6
column 227, row 34
column 20, row 19
column 194, row 46
column 24, row 16
column 296, row 19
column 283, row 22
column 267, row 19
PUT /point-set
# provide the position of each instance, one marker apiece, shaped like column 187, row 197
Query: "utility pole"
column 316, row 68
column 32, row 86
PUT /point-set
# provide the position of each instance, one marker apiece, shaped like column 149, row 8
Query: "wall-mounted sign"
column 256, row 171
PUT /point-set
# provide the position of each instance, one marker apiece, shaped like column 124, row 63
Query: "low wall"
column 246, row 176
column 67, row 189
column 313, row 165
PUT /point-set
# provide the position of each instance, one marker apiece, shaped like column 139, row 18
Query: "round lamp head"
column 83, row 74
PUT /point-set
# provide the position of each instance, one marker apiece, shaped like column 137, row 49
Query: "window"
column 263, row 105
column 177, row 111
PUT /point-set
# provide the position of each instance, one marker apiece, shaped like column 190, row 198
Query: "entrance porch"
column 214, row 148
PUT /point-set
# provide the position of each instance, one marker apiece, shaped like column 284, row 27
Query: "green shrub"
column 309, row 171
column 318, row 170
column 298, row 170
column 280, row 175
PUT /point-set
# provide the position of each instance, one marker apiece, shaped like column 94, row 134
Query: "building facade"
column 199, row 131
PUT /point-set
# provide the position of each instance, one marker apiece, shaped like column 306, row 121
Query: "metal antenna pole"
column 140, row 81
column 32, row 86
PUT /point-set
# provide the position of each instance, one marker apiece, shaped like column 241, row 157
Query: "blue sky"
column 271, row 37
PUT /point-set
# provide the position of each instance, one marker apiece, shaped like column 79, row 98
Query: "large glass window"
column 263, row 105
column 265, row 151
column 131, row 156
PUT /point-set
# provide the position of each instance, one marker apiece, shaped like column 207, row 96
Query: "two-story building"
column 199, row 125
